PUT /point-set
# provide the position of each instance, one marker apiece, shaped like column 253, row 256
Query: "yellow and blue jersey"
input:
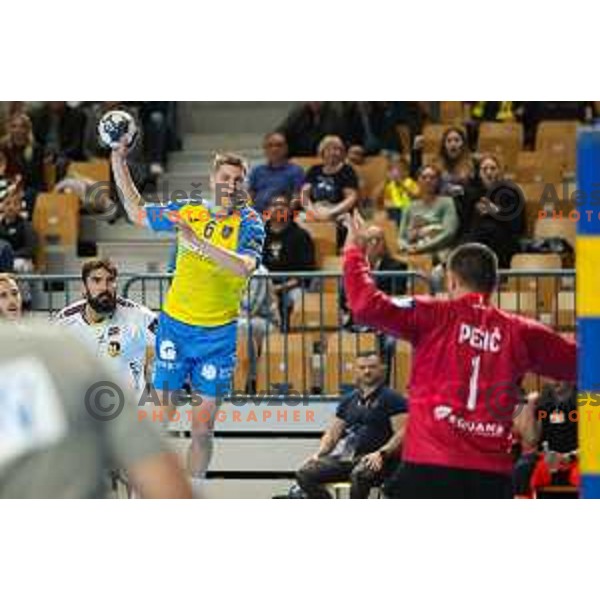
column 203, row 293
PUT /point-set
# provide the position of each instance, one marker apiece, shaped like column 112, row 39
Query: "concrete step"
column 221, row 142
column 216, row 117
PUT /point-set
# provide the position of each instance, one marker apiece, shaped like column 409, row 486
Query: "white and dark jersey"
column 123, row 339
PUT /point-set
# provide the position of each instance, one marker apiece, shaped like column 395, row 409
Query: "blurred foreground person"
column 57, row 438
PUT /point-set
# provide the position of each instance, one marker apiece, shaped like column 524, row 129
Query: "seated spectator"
column 4, row 180
column 380, row 260
column 308, row 124
column 331, row 188
column 17, row 231
column 287, row 248
column 455, row 162
column 430, row 223
column 356, row 156
column 398, row 190
column 495, row 219
column 7, row 258
column 363, row 441
column 277, row 176
column 24, row 157
column 59, row 129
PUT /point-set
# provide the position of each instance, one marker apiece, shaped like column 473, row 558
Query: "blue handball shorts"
column 204, row 357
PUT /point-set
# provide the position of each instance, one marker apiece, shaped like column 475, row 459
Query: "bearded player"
column 469, row 358
column 219, row 245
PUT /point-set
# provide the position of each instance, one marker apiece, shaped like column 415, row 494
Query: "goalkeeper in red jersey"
column 469, row 358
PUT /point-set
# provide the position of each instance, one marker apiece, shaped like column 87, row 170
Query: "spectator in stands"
column 492, row 213
column 59, row 129
column 24, row 157
column 306, row 126
column 287, row 248
column 430, row 223
column 4, row 180
column 398, row 190
column 455, row 162
column 363, row 441
column 6, row 257
column 380, row 259
column 356, row 156
column 331, row 188
column 278, row 175
column 17, row 231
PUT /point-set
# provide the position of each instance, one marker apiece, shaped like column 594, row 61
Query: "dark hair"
column 98, row 263
column 476, row 266
column 269, row 135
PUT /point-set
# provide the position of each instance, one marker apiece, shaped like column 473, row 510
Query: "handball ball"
column 116, row 125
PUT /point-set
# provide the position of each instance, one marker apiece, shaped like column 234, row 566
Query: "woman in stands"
column 24, row 157
column 331, row 188
column 492, row 211
column 455, row 162
column 430, row 223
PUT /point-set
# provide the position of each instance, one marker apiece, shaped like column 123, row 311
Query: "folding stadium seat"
column 451, row 112
column 390, row 230
column 333, row 264
column 536, row 167
column 341, row 351
column 324, row 238
column 372, row 174
column 96, row 170
column 502, row 139
column 558, row 139
column 56, row 223
column 317, row 311
column 432, row 138
column 286, row 362
column 306, row 162
column 556, row 228
column 401, row 367
column 545, row 288
column 566, row 311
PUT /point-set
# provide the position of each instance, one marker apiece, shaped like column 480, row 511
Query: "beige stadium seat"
column 556, row 228
column 537, row 167
column 503, row 139
column 341, row 353
column 372, row 174
column 56, row 223
column 324, row 239
column 286, row 360
column 331, row 285
column 544, row 288
column 317, row 311
column 451, row 112
column 96, row 170
column 432, row 138
column 558, row 139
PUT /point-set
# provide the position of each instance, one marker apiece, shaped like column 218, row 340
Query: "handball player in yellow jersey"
column 219, row 244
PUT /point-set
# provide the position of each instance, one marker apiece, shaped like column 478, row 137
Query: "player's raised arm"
column 128, row 193
column 401, row 318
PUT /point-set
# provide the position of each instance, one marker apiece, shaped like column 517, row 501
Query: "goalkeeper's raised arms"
column 128, row 193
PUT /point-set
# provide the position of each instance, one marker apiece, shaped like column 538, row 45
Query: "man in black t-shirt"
column 289, row 248
column 363, row 441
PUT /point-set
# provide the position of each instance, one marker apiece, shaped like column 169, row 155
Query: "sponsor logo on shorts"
column 209, row 372
column 167, row 350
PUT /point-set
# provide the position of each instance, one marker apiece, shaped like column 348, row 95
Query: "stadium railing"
column 288, row 387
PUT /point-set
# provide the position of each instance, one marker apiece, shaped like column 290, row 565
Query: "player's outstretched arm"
column 369, row 305
column 238, row 264
column 128, row 193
